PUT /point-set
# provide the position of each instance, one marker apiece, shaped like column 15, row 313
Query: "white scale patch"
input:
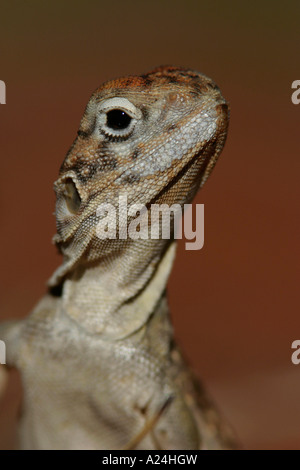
column 201, row 128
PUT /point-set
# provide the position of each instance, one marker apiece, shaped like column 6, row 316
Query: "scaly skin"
column 99, row 365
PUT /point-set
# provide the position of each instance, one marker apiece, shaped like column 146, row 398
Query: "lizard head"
column 154, row 138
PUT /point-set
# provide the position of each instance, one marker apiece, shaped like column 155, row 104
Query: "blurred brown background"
column 235, row 303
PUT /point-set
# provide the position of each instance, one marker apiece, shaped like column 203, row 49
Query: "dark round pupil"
column 118, row 119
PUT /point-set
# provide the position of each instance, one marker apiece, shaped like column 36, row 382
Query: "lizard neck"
column 117, row 296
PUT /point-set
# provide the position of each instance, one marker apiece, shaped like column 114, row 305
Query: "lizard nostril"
column 72, row 197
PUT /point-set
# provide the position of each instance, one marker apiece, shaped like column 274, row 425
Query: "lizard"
column 99, row 364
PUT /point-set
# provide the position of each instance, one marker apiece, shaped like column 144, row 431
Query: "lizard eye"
column 117, row 119
column 72, row 197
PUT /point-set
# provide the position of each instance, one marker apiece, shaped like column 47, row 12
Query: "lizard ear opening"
column 72, row 198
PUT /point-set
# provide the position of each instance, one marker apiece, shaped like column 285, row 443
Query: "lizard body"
column 99, row 365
